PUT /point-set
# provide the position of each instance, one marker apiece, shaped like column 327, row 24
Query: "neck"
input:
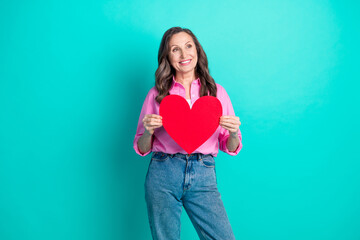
column 185, row 78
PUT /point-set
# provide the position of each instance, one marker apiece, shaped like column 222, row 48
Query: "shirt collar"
column 196, row 81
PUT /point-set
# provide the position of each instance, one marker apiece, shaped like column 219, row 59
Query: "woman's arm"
column 233, row 142
column 232, row 124
column 150, row 122
column 144, row 143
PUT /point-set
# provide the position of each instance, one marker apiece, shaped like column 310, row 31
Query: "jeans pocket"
column 208, row 161
column 160, row 156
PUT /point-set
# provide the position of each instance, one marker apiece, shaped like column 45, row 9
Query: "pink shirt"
column 162, row 142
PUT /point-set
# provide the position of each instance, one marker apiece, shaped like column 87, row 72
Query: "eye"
column 175, row 49
column 189, row 46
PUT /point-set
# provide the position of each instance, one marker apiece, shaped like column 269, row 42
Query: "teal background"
column 73, row 77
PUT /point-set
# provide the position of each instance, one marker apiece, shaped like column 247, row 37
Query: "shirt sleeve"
column 147, row 108
column 224, row 133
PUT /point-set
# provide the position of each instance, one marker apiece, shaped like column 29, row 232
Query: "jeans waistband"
column 196, row 156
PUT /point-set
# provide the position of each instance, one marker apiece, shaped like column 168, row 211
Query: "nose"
column 183, row 54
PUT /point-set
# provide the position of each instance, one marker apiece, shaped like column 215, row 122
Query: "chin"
column 187, row 70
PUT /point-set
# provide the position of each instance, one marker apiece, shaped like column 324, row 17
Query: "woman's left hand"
column 231, row 123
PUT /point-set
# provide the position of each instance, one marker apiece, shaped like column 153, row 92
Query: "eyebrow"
column 177, row 45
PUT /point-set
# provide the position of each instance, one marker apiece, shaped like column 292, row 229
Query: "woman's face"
column 183, row 55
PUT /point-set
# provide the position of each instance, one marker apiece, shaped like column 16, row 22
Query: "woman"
column 176, row 179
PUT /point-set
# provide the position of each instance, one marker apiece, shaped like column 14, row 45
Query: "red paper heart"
column 190, row 128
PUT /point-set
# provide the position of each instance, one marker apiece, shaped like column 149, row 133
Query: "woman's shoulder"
column 221, row 94
column 220, row 89
column 151, row 96
column 153, row 92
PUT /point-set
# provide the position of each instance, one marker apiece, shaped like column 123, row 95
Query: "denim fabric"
column 180, row 180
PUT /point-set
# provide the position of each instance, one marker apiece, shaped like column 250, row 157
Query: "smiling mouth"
column 186, row 62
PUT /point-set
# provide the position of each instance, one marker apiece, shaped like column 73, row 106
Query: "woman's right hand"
column 151, row 122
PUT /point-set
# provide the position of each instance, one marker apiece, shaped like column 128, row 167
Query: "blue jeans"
column 180, row 180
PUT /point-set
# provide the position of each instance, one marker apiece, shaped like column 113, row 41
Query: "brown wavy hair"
column 164, row 72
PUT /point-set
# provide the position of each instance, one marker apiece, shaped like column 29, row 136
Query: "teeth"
column 185, row 61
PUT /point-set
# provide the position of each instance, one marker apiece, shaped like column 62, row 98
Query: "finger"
column 230, row 129
column 229, row 125
column 155, row 119
column 230, row 116
column 152, row 121
column 231, row 121
column 151, row 116
column 235, row 121
column 154, row 125
column 155, row 116
column 224, row 127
